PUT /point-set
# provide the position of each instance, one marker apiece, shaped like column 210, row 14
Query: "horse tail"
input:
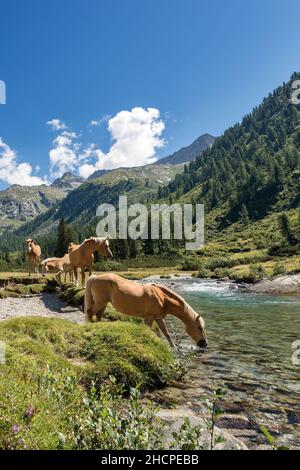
column 88, row 299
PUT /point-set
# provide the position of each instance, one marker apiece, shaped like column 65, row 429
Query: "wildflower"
column 29, row 413
column 15, row 428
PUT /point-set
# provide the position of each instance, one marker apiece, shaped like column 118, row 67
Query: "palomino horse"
column 150, row 301
column 72, row 246
column 34, row 253
column 58, row 266
column 82, row 256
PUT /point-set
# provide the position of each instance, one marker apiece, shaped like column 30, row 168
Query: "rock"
column 175, row 418
column 280, row 285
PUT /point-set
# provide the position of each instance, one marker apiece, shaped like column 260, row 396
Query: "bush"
column 220, row 273
column 202, row 272
column 189, row 264
column 258, row 270
column 279, row 269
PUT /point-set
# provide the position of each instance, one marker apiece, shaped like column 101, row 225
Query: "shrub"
column 202, row 272
column 189, row 264
column 220, row 273
column 279, row 269
column 258, row 270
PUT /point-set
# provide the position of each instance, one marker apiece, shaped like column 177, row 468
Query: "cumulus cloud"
column 56, row 124
column 136, row 135
column 13, row 172
column 64, row 154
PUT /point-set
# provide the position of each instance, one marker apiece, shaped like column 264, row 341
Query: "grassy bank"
column 37, row 347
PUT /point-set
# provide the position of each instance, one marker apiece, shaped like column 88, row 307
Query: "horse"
column 34, row 254
column 82, row 256
column 149, row 301
column 58, row 266
column 72, row 246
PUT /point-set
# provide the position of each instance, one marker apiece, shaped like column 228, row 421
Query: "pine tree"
column 64, row 237
column 286, row 229
column 245, row 216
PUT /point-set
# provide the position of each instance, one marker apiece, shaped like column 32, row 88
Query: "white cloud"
column 12, row 172
column 94, row 123
column 136, row 135
column 98, row 122
column 56, row 124
column 63, row 156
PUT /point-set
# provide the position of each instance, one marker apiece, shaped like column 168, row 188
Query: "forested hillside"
column 254, row 166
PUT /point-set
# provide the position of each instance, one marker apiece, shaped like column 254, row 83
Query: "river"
column 250, row 355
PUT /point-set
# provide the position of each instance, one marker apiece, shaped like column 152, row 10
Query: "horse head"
column 196, row 329
column 72, row 246
column 30, row 243
column 101, row 245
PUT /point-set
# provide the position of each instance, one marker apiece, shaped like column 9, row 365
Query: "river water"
column 250, row 353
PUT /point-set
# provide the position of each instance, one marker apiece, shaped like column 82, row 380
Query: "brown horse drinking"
column 82, row 257
column 34, row 254
column 150, row 301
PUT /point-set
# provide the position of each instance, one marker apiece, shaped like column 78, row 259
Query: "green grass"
column 91, row 352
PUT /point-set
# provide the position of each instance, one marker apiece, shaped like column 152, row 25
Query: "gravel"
column 45, row 305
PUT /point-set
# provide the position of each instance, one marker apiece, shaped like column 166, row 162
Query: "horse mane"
column 173, row 295
column 95, row 239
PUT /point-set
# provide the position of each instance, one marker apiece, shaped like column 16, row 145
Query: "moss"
column 131, row 352
column 4, row 294
column 30, row 289
column 72, row 295
column 90, row 352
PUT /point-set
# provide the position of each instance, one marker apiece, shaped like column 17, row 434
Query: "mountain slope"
column 18, row 204
column 189, row 153
column 253, row 168
column 68, row 182
column 79, row 207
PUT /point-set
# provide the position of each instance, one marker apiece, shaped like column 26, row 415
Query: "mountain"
column 67, row 182
column 189, row 153
column 19, row 204
column 250, row 173
column 79, row 207
column 97, row 174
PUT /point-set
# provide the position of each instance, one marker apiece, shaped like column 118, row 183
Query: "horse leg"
column 75, row 276
column 58, row 278
column 148, row 321
column 100, row 313
column 163, row 327
column 36, row 268
column 82, row 276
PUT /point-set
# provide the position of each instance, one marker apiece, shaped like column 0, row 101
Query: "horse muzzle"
column 202, row 344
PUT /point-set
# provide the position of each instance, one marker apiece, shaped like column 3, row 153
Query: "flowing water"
column 250, row 353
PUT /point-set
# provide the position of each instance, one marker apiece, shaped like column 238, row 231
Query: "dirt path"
column 45, row 305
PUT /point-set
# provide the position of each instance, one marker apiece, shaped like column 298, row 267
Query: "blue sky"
column 201, row 64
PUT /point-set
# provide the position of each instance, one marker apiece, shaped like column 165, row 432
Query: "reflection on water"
column 250, row 348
